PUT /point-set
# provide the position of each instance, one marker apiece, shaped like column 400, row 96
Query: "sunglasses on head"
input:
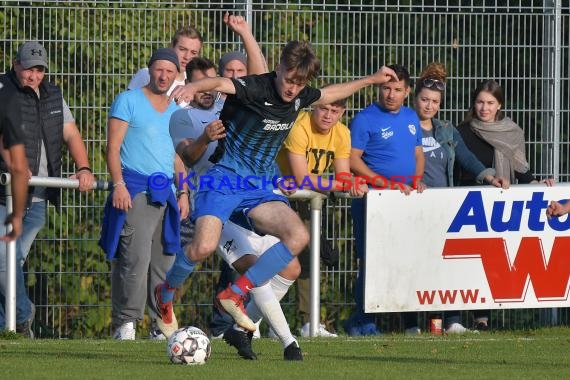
column 430, row 83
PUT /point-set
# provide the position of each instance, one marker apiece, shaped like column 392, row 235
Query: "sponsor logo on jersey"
column 274, row 125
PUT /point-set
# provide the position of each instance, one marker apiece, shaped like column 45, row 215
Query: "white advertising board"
column 466, row 248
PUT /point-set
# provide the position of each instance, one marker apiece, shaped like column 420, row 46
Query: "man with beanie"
column 233, row 64
column 47, row 123
column 141, row 225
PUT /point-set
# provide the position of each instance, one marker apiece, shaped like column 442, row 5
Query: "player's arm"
column 182, row 190
column 338, row 91
column 256, row 63
column 186, row 93
column 116, row 131
column 190, row 150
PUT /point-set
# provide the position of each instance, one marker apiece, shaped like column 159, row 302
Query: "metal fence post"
column 10, row 300
column 316, row 215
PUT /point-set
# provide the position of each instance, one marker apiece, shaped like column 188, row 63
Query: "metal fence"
column 95, row 47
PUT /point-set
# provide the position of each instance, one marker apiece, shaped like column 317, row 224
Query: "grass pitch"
column 540, row 354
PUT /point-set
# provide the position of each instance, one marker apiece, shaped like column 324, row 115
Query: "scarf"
column 507, row 139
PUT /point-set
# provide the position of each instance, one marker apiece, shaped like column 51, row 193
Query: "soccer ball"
column 188, row 345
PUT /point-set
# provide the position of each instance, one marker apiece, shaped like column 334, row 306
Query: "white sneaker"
column 456, row 328
column 413, row 331
column 306, row 331
column 125, row 332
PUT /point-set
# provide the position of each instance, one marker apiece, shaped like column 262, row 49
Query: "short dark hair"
column 402, row 73
column 199, row 64
column 186, row 31
column 299, row 56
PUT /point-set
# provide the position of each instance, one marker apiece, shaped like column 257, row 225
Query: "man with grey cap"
column 141, row 225
column 47, row 124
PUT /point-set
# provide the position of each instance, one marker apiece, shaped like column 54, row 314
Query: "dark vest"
column 42, row 120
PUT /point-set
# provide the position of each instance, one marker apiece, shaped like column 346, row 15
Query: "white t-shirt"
column 190, row 123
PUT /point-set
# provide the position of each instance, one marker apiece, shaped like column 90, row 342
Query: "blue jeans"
column 358, row 217
column 33, row 222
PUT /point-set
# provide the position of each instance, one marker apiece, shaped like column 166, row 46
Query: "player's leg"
column 211, row 210
column 236, row 245
column 266, row 303
column 275, row 218
column 206, row 237
column 237, row 249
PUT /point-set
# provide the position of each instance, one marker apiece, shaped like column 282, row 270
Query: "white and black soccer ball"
column 188, row 345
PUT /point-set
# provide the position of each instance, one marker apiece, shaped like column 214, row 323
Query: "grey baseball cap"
column 31, row 54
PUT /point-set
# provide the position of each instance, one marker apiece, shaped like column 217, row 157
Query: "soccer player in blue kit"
column 257, row 115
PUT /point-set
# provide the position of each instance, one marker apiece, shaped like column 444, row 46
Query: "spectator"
column 47, row 124
column 187, row 43
column 443, row 146
column 141, row 224
column 318, row 141
column 497, row 142
column 386, row 147
column 257, row 115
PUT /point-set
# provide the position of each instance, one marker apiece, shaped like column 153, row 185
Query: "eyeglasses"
column 429, row 83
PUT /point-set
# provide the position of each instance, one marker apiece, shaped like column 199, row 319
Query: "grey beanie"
column 166, row 54
column 231, row 56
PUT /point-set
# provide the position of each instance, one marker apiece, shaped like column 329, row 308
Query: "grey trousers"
column 140, row 264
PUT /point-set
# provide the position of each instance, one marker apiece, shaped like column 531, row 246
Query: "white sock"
column 280, row 286
column 266, row 304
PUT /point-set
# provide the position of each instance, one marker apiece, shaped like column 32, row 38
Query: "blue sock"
column 271, row 262
column 181, row 269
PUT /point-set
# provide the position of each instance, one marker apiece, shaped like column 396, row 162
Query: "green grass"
column 540, row 354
